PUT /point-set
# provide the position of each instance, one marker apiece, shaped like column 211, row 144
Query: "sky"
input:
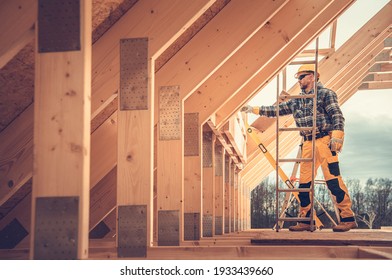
column 367, row 151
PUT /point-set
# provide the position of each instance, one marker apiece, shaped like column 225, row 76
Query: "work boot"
column 345, row 226
column 300, row 227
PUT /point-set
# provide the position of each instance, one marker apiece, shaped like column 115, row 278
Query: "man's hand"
column 250, row 109
column 337, row 139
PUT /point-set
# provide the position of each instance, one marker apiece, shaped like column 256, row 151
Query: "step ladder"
column 312, row 217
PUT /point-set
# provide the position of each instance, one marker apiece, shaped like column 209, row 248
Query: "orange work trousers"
column 330, row 166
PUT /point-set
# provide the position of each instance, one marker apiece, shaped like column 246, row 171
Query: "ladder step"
column 295, row 128
column 298, row 62
column 297, row 96
column 294, row 219
column 295, row 160
column 295, row 190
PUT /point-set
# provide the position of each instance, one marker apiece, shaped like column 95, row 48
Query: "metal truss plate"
column 218, row 161
column 207, row 149
column 56, row 228
column 132, row 231
column 168, row 228
column 169, row 113
column 192, row 226
column 134, row 74
column 207, row 225
column 58, row 25
column 191, row 134
column 12, row 234
column 218, row 225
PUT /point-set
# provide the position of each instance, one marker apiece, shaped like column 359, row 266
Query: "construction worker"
column 329, row 141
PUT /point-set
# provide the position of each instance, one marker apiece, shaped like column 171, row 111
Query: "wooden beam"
column 376, row 78
column 135, row 154
column 279, row 60
column 208, row 183
column 219, row 188
column 381, row 68
column 380, row 85
column 62, row 141
column 226, row 212
column 17, row 20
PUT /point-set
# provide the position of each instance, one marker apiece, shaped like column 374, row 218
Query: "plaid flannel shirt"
column 329, row 116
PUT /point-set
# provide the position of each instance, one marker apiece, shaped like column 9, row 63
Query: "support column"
column 227, row 194
column 61, row 173
column 192, row 177
column 232, row 196
column 208, row 182
column 135, row 149
column 170, row 167
column 219, row 188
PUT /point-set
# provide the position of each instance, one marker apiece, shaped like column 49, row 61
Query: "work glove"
column 250, row 109
column 337, row 138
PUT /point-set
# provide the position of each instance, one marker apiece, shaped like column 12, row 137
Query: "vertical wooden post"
column 135, row 149
column 192, row 177
column 61, row 173
column 170, row 167
column 219, row 188
column 208, row 182
column 227, row 173
column 240, row 203
column 232, row 196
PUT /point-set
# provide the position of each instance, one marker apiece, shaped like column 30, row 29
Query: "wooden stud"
column 208, row 183
column 219, row 188
column 192, row 181
column 135, row 139
column 170, row 166
column 62, row 130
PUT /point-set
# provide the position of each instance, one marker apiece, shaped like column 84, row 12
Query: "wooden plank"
column 135, row 150
column 219, row 187
column 170, row 163
column 255, row 253
column 381, row 68
column 379, row 85
column 17, row 20
column 62, row 129
column 279, row 60
column 16, row 163
column 208, row 183
column 376, row 78
column 226, row 219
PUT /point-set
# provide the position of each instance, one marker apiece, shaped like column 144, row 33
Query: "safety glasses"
column 303, row 76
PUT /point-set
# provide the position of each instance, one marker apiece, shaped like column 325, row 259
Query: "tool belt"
column 318, row 135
